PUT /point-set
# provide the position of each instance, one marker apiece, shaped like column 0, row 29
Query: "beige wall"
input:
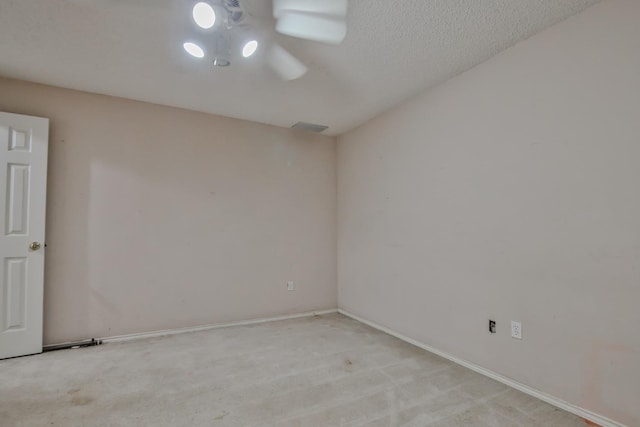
column 511, row 192
column 164, row 218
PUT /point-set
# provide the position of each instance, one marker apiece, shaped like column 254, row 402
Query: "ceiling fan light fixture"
column 221, row 53
column 204, row 15
column 220, row 61
column 250, row 48
column 193, row 50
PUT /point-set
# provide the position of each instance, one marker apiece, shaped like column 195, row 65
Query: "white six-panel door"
column 23, row 185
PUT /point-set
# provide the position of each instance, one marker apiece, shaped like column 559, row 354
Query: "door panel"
column 23, row 183
column 14, row 290
column 17, row 199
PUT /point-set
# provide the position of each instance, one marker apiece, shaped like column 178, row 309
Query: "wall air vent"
column 309, row 127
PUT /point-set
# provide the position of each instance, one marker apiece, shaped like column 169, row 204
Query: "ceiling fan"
column 224, row 29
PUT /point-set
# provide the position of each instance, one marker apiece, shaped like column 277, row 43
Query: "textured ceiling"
column 133, row 49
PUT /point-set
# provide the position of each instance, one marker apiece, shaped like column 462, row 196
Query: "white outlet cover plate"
column 289, row 286
column 516, row 330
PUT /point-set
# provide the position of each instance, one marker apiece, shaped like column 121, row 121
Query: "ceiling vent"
column 309, row 127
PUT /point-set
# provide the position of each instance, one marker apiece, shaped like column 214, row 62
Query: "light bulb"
column 193, row 50
column 249, row 48
column 204, row 15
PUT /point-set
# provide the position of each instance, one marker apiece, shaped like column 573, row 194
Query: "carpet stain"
column 221, row 416
column 81, row 400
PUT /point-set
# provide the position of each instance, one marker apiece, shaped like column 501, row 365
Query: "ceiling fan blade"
column 284, row 64
column 312, row 27
column 323, row 7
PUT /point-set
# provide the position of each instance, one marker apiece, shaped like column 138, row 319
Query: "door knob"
column 34, row 246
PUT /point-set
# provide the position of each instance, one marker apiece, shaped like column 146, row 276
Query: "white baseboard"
column 569, row 407
column 129, row 337
column 166, row 332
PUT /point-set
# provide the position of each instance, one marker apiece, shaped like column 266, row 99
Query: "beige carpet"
column 324, row 371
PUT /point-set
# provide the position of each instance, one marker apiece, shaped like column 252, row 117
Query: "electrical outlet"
column 289, row 286
column 516, row 330
column 492, row 326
